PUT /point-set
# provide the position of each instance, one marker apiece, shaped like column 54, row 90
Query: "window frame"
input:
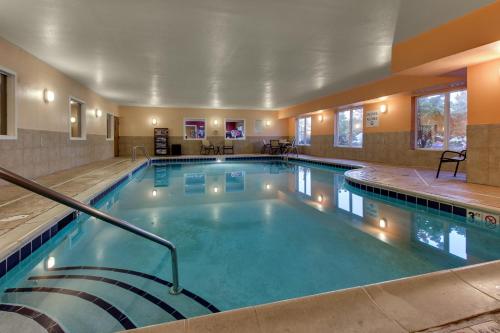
column 112, row 131
column 83, row 119
column 447, row 113
column 12, row 114
column 244, row 137
column 336, row 137
column 305, row 130
column 194, row 119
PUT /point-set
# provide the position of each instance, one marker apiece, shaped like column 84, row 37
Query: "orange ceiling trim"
column 473, row 30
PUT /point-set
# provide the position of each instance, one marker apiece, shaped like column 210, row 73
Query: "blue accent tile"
column 422, row 202
column 376, row 190
column 36, row 243
column 25, row 251
column 45, row 236
column 402, row 196
column 411, row 199
column 433, row 204
column 384, row 192
column 12, row 260
column 369, row 189
column 445, row 207
column 393, row 194
column 459, row 211
column 3, row 268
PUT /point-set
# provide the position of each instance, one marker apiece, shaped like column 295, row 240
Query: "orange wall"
column 398, row 117
column 483, row 82
column 136, row 121
column 473, row 30
column 389, row 86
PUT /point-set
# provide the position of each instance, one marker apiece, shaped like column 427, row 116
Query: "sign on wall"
column 372, row 119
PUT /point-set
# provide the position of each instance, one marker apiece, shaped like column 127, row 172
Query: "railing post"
column 175, row 289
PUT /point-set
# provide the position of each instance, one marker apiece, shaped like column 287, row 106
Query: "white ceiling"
column 220, row 53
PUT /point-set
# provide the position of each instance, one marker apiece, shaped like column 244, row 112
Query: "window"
column 110, row 126
column 194, row 129
column 304, row 131
column 441, row 121
column 77, row 119
column 235, row 129
column 7, row 105
column 350, row 128
column 304, row 180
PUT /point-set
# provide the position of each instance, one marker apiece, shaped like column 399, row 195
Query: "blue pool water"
column 247, row 233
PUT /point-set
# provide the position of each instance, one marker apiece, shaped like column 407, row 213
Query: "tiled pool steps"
column 95, row 299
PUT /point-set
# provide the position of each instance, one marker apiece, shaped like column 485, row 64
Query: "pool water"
column 247, row 234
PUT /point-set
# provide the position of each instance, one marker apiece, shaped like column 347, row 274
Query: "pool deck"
column 461, row 300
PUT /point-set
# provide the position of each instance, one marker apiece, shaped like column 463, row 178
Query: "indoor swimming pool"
column 247, row 233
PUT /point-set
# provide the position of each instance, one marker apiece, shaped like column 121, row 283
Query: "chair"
column 266, row 147
column 274, row 146
column 206, row 147
column 457, row 158
column 228, row 145
column 292, row 148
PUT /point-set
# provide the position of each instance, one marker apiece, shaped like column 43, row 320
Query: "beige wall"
column 136, row 127
column 40, row 123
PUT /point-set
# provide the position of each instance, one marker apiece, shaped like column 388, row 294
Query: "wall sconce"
column 216, row 189
column 382, row 223
column 383, row 108
column 154, row 121
column 268, row 186
column 97, row 113
column 154, row 193
column 48, row 96
column 321, row 118
column 216, row 123
column 320, row 198
column 72, row 120
column 268, row 123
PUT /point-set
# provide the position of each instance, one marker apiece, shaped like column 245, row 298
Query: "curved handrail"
column 77, row 205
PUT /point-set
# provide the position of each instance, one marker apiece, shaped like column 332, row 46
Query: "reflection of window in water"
column 304, row 180
column 194, row 183
column 351, row 203
column 235, row 181
column 458, row 242
column 161, row 175
column 441, row 235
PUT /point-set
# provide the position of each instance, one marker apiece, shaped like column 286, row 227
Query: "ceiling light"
column 48, row 96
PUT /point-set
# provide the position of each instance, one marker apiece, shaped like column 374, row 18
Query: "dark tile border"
column 325, row 163
column 26, row 250
column 411, row 199
column 151, row 298
column 50, row 325
column 109, row 308
column 156, row 279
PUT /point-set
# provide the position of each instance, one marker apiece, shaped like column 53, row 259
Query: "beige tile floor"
column 462, row 300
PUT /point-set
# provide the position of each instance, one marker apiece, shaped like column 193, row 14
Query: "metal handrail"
column 77, row 205
column 134, row 153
